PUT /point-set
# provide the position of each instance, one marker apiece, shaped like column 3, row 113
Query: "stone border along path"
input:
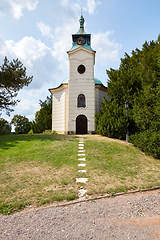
column 81, row 157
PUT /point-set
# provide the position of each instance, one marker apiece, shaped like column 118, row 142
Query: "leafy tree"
column 112, row 120
column 21, row 123
column 43, row 117
column 146, row 114
column 126, row 81
column 137, row 80
column 5, row 127
column 12, row 78
column 146, row 109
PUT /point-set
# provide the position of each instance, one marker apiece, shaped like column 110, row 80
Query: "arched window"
column 81, row 101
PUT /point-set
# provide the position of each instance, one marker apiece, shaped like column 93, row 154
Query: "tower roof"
column 81, row 38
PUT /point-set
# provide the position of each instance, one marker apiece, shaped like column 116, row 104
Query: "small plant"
column 54, row 132
column 71, row 197
column 64, row 182
column 31, row 132
column 49, row 131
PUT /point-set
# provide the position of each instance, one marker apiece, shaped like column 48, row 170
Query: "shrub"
column 5, row 127
column 49, row 132
column 111, row 122
column 21, row 123
column 148, row 141
column 43, row 117
column 31, row 132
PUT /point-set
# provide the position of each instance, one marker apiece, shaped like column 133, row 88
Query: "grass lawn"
column 40, row 169
column 115, row 166
column 36, row 169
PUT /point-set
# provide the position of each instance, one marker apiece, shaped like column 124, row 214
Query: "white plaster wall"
column 66, row 109
column 100, row 94
column 81, row 84
column 58, row 111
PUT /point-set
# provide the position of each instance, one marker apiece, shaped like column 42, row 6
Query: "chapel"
column 76, row 100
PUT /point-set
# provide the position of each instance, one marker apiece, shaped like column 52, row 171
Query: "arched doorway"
column 81, row 124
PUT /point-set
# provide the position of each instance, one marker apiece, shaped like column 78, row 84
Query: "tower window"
column 81, row 69
column 81, row 101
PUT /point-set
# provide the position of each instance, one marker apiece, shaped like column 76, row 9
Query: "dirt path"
column 99, row 137
column 135, row 216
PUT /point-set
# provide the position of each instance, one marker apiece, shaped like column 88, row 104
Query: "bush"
column 31, row 132
column 49, row 132
column 35, row 128
column 5, row 127
column 21, row 123
column 111, row 122
column 148, row 141
column 43, row 117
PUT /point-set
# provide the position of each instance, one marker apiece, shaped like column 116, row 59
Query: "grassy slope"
column 114, row 167
column 40, row 169
column 36, row 169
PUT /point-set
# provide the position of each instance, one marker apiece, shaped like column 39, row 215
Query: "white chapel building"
column 76, row 100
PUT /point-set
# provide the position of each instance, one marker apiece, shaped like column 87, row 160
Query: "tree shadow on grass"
column 9, row 141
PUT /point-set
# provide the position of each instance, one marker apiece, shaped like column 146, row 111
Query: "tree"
column 13, row 77
column 138, row 81
column 111, row 121
column 146, row 109
column 5, row 127
column 43, row 117
column 21, row 123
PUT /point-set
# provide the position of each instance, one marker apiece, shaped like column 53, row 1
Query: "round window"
column 81, row 69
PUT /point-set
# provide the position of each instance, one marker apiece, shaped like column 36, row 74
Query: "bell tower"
column 81, row 84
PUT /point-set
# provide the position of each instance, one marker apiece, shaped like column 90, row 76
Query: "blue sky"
column 38, row 32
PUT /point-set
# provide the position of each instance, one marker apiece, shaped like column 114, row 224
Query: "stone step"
column 81, row 180
column 81, row 151
column 82, row 171
column 81, row 165
column 81, row 159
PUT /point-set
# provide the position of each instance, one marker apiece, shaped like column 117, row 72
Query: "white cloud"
column 64, row 2
column 25, row 105
column 63, row 42
column 75, row 6
column 28, row 49
column 106, row 48
column 45, row 30
column 17, row 6
column 91, row 5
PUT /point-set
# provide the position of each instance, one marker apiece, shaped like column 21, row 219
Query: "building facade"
column 76, row 100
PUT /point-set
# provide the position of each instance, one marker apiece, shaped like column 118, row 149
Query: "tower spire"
column 81, row 20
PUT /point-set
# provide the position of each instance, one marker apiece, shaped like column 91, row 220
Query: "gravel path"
column 135, row 216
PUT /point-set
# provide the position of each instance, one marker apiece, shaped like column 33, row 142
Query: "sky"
column 39, row 33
